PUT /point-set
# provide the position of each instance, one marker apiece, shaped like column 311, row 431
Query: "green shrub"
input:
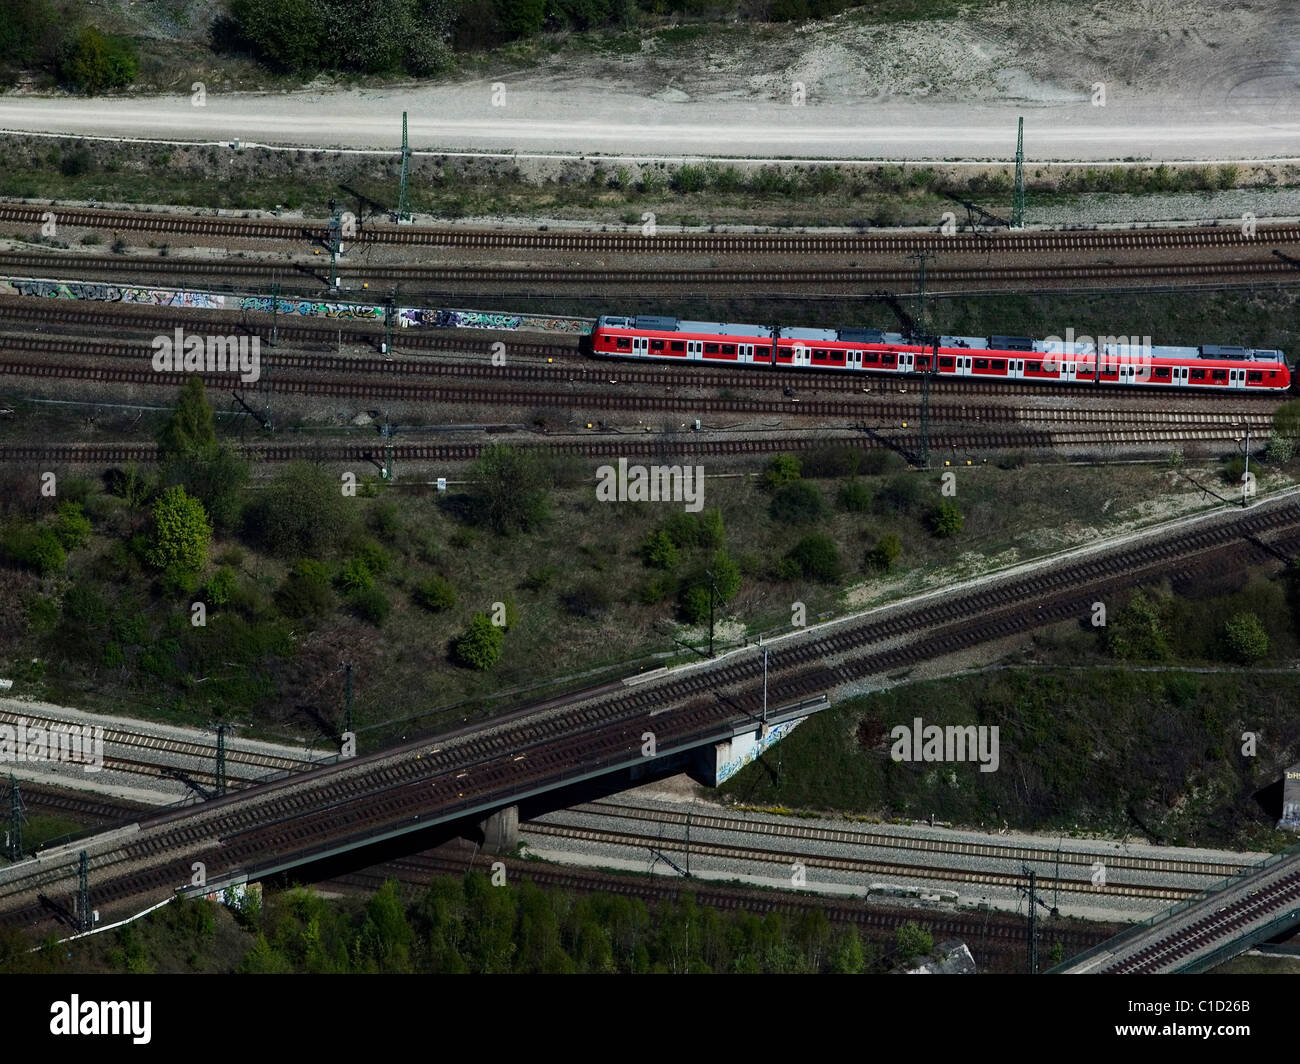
column 93, row 61
column 946, row 519
column 898, row 495
column 817, row 558
column 370, row 604
column 36, row 548
column 782, row 469
column 885, row 554
column 220, row 585
column 435, row 594
column 659, row 551
column 797, row 503
column 855, row 497
column 306, row 591
column 71, row 526
column 480, row 645
column 1246, row 637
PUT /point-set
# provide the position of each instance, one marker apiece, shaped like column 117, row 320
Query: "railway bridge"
column 632, row 726
column 1259, row 903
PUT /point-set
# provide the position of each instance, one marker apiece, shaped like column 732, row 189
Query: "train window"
column 710, row 349
column 819, row 354
column 728, row 349
column 1219, row 375
column 656, row 345
column 945, row 363
column 923, row 362
column 1255, row 375
column 1162, row 373
column 677, row 345
column 1198, row 374
column 871, row 357
column 1034, row 367
column 887, row 359
column 981, row 363
column 624, row 342
column 998, row 364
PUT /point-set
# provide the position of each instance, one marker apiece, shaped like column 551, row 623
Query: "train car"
column 1108, row 360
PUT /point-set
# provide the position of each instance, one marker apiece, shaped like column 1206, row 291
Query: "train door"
column 746, row 352
column 694, row 350
column 1068, row 370
column 1236, row 378
column 1180, row 376
column 906, row 362
column 1015, row 368
column 802, row 356
column 640, row 345
column 963, row 366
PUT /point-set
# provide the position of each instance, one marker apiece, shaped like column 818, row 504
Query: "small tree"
column 181, row 533
column 797, row 503
column 71, row 526
column 817, row 558
column 855, row 497
column 511, row 491
column 435, row 594
column 1246, row 637
column 885, row 554
column 946, row 519
column 782, row 469
column 659, row 551
column 93, row 62
column 913, row 940
column 480, row 645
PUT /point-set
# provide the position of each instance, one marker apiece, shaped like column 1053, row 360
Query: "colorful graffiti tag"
column 407, row 317
column 107, row 293
column 314, row 309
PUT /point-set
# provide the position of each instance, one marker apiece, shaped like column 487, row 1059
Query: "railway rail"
column 228, row 227
column 526, row 360
column 787, row 278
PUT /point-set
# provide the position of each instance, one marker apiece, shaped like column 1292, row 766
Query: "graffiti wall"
column 314, row 308
column 735, row 754
column 407, row 317
column 108, row 293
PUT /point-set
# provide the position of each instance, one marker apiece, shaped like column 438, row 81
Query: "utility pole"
column 1245, row 476
column 712, row 586
column 335, row 245
column 221, row 760
column 347, row 696
column 14, row 851
column 1018, row 203
column 923, row 338
column 765, row 654
column 1033, row 924
column 81, row 911
column 275, row 312
column 402, row 215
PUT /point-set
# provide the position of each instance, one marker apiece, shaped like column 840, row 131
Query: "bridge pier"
column 718, row 763
column 501, row 830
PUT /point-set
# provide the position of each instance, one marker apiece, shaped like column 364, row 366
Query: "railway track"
column 206, row 225
column 478, row 278
column 855, row 866
column 526, row 360
column 457, row 774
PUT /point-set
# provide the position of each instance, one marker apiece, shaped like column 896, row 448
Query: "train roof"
column 1122, row 345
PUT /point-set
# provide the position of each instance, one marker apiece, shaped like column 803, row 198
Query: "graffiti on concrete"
column 108, row 293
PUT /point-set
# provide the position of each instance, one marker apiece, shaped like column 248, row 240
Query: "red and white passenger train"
column 1123, row 360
